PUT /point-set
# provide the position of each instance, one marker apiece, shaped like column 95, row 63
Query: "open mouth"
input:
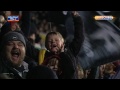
column 53, row 46
column 15, row 54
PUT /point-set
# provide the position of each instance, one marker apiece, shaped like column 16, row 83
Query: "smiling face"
column 15, row 52
column 54, row 43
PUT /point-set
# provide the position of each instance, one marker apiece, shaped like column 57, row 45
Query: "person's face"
column 55, row 43
column 15, row 52
column 53, row 64
column 14, row 26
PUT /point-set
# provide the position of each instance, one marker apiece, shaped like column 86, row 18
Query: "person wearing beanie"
column 13, row 51
column 13, row 58
column 24, row 29
column 31, row 52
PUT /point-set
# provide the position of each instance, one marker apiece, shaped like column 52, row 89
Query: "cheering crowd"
column 38, row 47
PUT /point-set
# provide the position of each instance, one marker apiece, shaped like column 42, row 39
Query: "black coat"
column 72, row 50
column 68, row 62
column 12, row 72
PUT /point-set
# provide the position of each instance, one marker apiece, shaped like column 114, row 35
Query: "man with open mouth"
column 13, row 61
column 13, row 55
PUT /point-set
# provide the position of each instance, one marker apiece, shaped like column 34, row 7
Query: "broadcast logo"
column 103, row 17
column 13, row 18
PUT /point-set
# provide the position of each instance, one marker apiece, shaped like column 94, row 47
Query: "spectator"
column 62, row 60
column 2, row 20
column 13, row 56
column 31, row 51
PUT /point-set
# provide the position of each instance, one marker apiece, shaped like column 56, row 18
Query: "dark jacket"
column 74, row 47
column 16, row 73
column 67, row 59
column 71, row 50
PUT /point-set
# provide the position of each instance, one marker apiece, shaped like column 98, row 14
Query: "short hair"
column 52, row 33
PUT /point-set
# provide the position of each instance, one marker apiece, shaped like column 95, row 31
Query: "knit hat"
column 13, row 36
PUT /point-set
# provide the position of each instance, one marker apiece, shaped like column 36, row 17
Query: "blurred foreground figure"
column 13, row 57
column 2, row 21
column 41, row 72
